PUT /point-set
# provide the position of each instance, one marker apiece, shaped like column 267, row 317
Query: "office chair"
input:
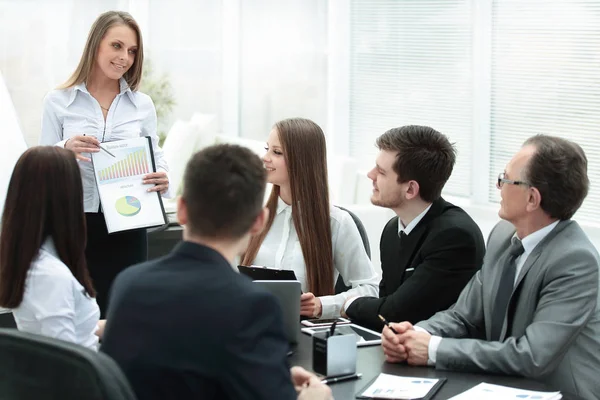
column 339, row 285
column 38, row 367
column 7, row 320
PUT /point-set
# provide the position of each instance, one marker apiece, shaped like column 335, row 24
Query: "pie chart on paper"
column 128, row 206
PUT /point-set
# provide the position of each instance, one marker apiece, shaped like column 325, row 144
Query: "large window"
column 488, row 73
column 546, row 79
column 411, row 63
column 283, row 63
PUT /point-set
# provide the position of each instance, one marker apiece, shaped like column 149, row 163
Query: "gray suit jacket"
column 552, row 332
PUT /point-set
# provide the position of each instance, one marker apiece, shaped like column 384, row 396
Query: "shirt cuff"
column 349, row 302
column 434, row 343
column 62, row 143
column 329, row 309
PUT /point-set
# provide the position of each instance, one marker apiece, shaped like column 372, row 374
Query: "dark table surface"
column 370, row 362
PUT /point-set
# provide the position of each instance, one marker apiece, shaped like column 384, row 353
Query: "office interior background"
column 487, row 73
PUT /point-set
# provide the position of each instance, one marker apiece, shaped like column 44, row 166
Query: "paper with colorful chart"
column 496, row 392
column 388, row 386
column 126, row 202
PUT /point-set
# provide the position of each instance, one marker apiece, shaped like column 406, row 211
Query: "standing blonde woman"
column 100, row 103
column 304, row 233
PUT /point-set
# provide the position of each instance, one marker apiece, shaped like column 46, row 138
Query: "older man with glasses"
column 532, row 309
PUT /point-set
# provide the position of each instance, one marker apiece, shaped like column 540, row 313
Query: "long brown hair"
column 44, row 200
column 103, row 23
column 305, row 153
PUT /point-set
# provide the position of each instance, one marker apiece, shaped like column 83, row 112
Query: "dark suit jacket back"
column 425, row 271
column 186, row 326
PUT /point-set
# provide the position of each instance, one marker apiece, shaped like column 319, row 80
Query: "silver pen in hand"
column 108, row 152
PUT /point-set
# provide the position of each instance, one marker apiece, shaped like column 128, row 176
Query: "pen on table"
column 327, row 381
column 387, row 323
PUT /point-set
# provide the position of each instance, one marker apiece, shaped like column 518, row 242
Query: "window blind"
column 546, row 79
column 411, row 63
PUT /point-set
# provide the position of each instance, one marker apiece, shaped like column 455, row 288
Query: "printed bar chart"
column 134, row 162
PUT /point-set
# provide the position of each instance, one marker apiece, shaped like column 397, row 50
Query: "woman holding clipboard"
column 304, row 232
column 100, row 103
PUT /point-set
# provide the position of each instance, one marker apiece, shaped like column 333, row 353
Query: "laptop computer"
column 288, row 294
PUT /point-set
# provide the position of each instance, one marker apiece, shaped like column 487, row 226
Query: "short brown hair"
column 558, row 170
column 223, row 187
column 424, row 155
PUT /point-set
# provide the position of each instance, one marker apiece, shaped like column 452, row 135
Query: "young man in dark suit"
column 432, row 248
column 187, row 326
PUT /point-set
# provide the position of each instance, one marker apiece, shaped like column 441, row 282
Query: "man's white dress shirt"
column 401, row 228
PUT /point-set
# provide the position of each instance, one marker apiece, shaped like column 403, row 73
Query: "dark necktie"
column 402, row 236
column 505, row 288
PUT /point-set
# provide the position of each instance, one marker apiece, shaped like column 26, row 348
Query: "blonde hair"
column 103, row 23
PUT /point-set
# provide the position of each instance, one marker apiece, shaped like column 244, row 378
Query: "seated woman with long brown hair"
column 304, row 233
column 43, row 274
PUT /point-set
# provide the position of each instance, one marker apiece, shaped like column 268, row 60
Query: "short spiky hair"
column 424, row 155
column 223, row 187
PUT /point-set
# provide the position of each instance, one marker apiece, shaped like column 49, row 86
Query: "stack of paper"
column 398, row 387
column 497, row 392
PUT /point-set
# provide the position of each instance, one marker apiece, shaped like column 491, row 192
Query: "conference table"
column 371, row 361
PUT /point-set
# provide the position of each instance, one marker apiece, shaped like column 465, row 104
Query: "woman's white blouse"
column 281, row 249
column 55, row 304
column 73, row 111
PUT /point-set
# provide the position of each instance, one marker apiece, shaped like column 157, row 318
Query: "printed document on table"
column 399, row 387
column 496, row 392
column 125, row 200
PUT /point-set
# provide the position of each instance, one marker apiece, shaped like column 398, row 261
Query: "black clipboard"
column 267, row 274
column 127, row 170
column 162, row 206
column 429, row 395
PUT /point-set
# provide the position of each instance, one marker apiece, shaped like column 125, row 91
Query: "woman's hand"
column 310, row 305
column 83, row 144
column 160, row 181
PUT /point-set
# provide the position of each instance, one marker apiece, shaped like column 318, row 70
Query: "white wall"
column 11, row 138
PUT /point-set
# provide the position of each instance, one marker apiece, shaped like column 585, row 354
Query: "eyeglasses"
column 502, row 180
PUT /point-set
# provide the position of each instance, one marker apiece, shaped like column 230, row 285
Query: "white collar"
column 530, row 241
column 408, row 228
column 281, row 205
column 123, row 87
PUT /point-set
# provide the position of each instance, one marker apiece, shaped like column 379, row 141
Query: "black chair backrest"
column 7, row 320
column 38, row 367
column 340, row 287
